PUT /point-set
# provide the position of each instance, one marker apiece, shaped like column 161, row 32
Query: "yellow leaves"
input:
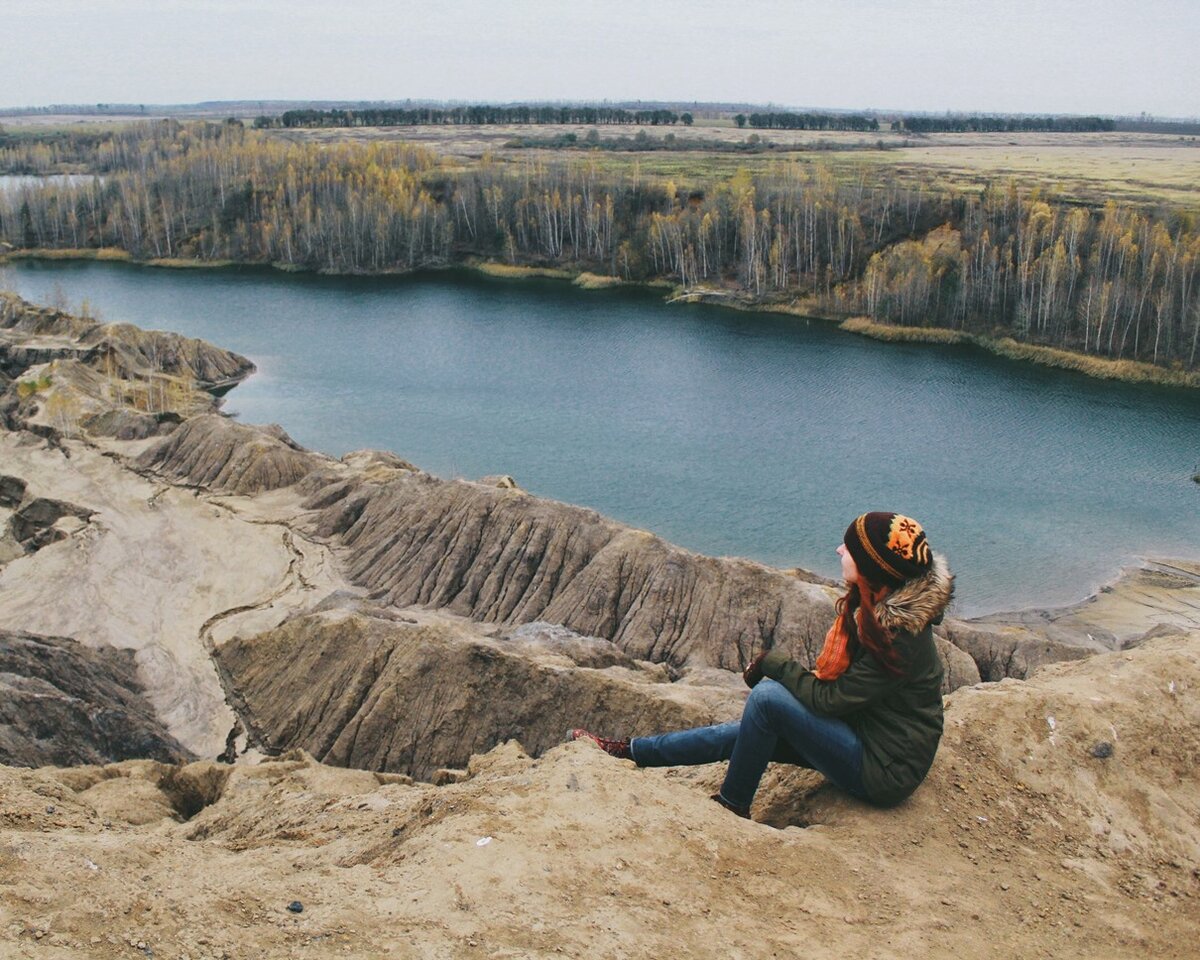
column 741, row 185
column 1040, row 215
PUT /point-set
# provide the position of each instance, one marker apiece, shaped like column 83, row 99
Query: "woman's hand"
column 753, row 672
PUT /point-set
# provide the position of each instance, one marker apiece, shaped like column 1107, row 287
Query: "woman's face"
column 849, row 570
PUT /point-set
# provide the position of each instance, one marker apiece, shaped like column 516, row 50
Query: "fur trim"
column 917, row 602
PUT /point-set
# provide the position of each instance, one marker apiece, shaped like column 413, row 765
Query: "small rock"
column 296, row 906
column 1102, row 750
column 50, row 809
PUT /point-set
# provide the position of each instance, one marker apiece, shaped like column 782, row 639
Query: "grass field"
column 1139, row 168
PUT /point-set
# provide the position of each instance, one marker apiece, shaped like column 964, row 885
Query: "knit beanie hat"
column 888, row 548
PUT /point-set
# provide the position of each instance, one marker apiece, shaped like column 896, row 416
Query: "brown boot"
column 743, row 812
column 615, row 748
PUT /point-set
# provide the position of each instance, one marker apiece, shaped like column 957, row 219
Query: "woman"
column 868, row 715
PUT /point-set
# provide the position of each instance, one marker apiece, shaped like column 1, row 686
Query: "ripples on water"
column 729, row 433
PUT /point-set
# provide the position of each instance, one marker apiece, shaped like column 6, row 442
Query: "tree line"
column 1116, row 281
column 982, row 124
column 810, row 121
column 480, row 114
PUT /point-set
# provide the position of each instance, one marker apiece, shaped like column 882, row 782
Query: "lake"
column 728, row 433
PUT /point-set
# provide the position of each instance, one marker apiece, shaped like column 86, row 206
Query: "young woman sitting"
column 868, row 714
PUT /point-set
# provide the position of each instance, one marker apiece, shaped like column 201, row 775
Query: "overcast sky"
column 1032, row 56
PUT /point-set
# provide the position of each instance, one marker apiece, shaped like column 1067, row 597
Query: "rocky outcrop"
column 34, row 522
column 124, row 347
column 493, row 553
column 62, row 703
column 65, row 376
column 376, row 694
column 500, row 555
column 959, row 668
column 126, row 424
column 215, row 452
column 68, row 376
column 1000, row 652
column 12, row 491
column 32, row 335
column 21, row 317
column 490, row 552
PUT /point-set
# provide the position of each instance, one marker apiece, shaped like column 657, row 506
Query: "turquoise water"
column 728, row 433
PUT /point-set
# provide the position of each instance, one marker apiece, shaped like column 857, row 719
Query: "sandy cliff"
column 1060, row 819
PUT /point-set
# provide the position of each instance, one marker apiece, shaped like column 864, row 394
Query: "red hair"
column 856, row 624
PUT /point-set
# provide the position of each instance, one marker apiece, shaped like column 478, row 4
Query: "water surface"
column 728, row 433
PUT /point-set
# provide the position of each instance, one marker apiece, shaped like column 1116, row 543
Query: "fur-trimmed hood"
column 918, row 602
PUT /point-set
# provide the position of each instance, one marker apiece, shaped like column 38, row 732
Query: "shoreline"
column 1112, row 605
column 1098, row 368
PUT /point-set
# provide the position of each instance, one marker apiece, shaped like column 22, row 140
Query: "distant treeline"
column 978, row 124
column 596, row 116
column 478, row 115
column 809, row 121
column 1117, row 282
column 77, row 109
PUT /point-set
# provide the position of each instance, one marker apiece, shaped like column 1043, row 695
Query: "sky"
column 1014, row 56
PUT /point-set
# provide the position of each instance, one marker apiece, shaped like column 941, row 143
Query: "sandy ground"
column 162, row 570
column 1061, row 819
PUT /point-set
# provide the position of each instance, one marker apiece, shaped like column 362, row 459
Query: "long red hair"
column 856, row 623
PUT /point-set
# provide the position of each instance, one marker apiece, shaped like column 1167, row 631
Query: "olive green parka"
column 898, row 719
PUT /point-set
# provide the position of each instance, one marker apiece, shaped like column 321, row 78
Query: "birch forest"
column 1114, row 281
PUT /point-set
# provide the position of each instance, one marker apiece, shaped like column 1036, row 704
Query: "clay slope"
column 500, row 555
column 67, row 376
column 373, row 693
column 31, row 335
column 215, row 452
column 1076, row 838
column 496, row 554
column 63, row 703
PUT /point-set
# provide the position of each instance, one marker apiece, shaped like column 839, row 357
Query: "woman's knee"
column 769, row 697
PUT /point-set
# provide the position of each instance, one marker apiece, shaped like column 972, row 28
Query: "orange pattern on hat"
column 907, row 539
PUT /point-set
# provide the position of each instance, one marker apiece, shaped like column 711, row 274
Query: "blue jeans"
column 774, row 726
